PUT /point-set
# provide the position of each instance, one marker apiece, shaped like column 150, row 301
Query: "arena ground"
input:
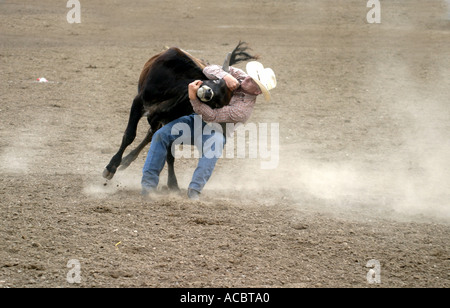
column 363, row 170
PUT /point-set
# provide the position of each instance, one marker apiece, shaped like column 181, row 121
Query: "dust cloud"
column 25, row 150
column 128, row 179
column 411, row 181
column 408, row 175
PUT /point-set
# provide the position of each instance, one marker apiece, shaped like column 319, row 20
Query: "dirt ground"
column 363, row 173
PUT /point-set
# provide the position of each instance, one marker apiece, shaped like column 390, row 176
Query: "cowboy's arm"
column 239, row 112
column 233, row 79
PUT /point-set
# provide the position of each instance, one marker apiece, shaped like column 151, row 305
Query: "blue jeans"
column 190, row 130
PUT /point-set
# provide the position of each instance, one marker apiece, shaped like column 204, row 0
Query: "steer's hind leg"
column 131, row 157
column 172, row 182
column 136, row 113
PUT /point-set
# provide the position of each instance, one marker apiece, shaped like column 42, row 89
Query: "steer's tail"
column 240, row 54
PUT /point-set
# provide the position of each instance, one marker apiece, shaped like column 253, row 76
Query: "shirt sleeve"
column 239, row 112
column 216, row 72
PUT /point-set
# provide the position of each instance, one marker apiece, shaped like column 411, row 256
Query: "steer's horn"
column 226, row 64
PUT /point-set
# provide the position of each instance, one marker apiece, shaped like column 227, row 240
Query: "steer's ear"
column 226, row 64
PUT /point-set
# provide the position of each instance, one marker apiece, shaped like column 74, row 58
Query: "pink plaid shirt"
column 241, row 105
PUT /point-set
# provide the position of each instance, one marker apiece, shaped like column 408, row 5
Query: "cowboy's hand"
column 193, row 88
column 232, row 83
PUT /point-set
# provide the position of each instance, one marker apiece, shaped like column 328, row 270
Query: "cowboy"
column 246, row 86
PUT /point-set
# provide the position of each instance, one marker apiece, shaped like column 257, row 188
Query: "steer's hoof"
column 108, row 174
column 122, row 167
column 126, row 162
column 174, row 188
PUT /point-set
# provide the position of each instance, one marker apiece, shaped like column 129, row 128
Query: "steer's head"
column 215, row 93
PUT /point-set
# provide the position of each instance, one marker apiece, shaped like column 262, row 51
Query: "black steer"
column 163, row 97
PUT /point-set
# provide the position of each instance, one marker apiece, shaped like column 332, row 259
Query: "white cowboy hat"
column 264, row 77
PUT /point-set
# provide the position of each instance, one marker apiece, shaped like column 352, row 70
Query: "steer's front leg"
column 136, row 113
